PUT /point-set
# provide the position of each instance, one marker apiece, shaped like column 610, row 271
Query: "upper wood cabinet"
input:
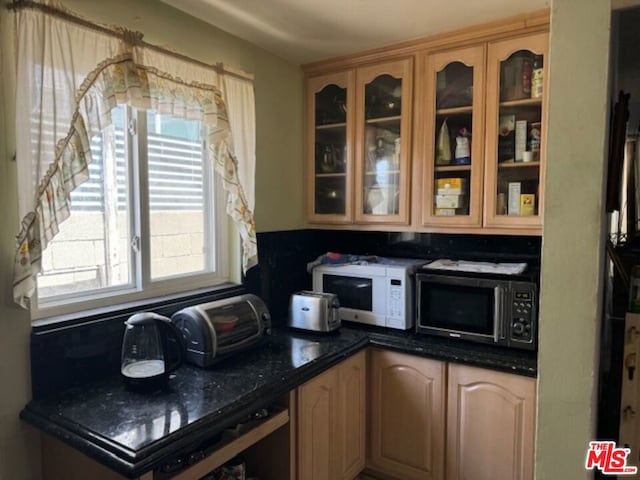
column 483, row 145
column 490, row 425
column 358, row 145
column 445, row 134
column 515, row 138
column 330, row 113
column 452, row 104
column 383, row 134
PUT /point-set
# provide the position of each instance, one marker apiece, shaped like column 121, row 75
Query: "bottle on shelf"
column 443, row 148
column 526, row 78
column 537, row 77
column 381, row 163
column 463, row 147
column 535, row 137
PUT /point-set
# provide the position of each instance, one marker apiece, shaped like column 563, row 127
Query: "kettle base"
column 147, row 384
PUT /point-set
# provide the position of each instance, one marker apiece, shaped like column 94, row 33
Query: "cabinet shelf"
column 453, row 168
column 525, row 102
column 519, row 165
column 454, row 110
column 235, row 447
column 394, row 172
column 330, row 175
column 395, row 118
column 331, row 126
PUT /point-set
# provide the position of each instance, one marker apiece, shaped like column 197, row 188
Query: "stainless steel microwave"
column 478, row 308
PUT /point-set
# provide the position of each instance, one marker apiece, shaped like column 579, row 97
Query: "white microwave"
column 379, row 293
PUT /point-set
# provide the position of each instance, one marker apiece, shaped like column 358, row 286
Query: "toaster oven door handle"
column 498, row 307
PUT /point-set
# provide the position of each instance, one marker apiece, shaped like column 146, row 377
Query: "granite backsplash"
column 284, row 255
column 87, row 347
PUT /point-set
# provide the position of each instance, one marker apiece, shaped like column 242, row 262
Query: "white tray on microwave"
column 477, row 267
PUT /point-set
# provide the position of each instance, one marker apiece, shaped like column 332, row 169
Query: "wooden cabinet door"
column 406, row 416
column 317, row 420
column 450, row 103
column 331, row 423
column 329, row 142
column 490, row 425
column 383, row 132
column 514, row 183
column 351, row 417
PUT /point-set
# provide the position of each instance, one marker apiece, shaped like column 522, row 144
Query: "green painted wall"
column 573, row 236
column 19, row 444
column 278, row 87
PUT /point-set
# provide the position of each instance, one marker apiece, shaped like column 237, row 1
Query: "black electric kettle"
column 148, row 343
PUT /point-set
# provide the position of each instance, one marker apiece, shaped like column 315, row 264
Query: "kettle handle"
column 171, row 330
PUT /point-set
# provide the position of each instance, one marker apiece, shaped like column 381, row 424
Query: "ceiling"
column 303, row 31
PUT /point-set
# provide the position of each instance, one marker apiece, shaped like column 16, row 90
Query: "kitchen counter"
column 133, row 433
column 520, row 362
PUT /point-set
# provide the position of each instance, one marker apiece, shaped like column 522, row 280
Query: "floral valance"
column 69, row 79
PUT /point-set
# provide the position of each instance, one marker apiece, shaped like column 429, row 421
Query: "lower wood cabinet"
column 407, row 406
column 490, row 425
column 331, row 422
column 488, row 434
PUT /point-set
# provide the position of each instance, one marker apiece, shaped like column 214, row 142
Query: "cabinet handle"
column 628, row 412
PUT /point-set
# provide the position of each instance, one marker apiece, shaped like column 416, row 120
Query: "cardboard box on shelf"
column 454, row 185
column 451, row 201
column 521, row 139
column 451, row 191
column 445, row 212
column 513, row 203
column 527, row 204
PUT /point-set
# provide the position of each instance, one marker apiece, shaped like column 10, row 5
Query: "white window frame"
column 142, row 286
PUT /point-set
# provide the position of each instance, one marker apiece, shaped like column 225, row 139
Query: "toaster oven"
column 215, row 330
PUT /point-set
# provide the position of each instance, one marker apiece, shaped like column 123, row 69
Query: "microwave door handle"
column 497, row 312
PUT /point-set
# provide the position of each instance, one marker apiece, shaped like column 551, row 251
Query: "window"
column 148, row 222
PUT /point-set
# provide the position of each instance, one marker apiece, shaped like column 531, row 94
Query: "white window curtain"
column 239, row 96
column 69, row 78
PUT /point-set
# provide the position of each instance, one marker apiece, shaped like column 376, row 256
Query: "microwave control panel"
column 523, row 316
column 396, row 298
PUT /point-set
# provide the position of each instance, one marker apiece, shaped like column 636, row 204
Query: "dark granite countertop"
column 520, row 362
column 132, row 433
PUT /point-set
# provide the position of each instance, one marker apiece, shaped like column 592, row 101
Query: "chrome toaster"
column 315, row 311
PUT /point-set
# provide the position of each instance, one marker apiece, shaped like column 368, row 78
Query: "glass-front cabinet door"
column 383, row 131
column 514, row 176
column 453, row 150
column 329, row 163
